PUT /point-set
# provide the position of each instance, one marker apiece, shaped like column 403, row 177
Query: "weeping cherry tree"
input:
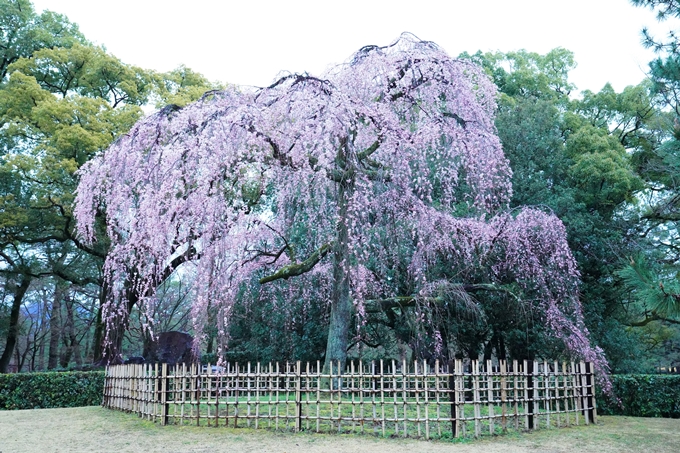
column 320, row 188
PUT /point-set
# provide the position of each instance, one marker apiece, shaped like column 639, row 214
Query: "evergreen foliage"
column 642, row 395
column 51, row 390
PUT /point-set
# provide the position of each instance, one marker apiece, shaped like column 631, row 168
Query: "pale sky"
column 249, row 42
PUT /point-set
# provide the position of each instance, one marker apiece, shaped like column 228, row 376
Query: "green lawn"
column 410, row 418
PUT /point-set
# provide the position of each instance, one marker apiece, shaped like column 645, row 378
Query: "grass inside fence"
column 410, row 417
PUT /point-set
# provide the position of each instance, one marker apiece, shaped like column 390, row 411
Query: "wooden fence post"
column 476, row 396
column 298, row 397
column 592, row 403
column 490, row 394
column 452, row 397
column 504, row 394
column 529, row 393
column 587, row 392
column 164, row 397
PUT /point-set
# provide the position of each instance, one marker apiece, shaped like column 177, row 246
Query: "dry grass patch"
column 94, row 429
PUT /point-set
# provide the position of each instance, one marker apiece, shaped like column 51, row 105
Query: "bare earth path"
column 93, row 429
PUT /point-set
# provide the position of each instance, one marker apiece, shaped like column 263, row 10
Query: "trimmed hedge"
column 51, row 390
column 642, row 395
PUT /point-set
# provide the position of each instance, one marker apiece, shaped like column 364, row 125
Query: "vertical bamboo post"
column 331, row 390
column 590, row 381
column 134, row 394
column 529, row 393
column 415, row 383
column 140, row 390
column 112, row 388
column 352, row 388
column 427, row 401
column 118, row 388
column 319, row 380
column 340, row 386
column 490, row 395
column 248, row 395
column 133, row 388
column 504, row 395
column 307, row 389
column 585, row 407
column 476, row 399
column 536, row 403
column 236, row 393
column 515, row 394
column 208, row 380
column 172, row 392
column 143, row 386
column 404, row 393
column 547, row 392
column 437, row 392
column 258, row 372
column 298, row 397
column 183, row 389
column 525, row 394
column 461, row 397
column 453, row 397
column 382, row 396
column 373, row 394
column 575, row 391
column 361, row 391
column 164, row 388
column 276, row 382
column 122, row 387
column 115, row 397
column 556, row 393
column 565, row 393
column 271, row 393
column 394, row 398
column 145, row 391
column 199, row 388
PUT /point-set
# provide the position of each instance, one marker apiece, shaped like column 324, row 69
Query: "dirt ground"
column 94, row 429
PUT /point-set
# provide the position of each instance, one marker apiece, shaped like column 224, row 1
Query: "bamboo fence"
column 385, row 398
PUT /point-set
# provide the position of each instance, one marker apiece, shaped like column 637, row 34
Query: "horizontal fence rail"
column 461, row 398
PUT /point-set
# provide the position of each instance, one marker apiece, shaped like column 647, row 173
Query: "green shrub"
column 642, row 395
column 49, row 390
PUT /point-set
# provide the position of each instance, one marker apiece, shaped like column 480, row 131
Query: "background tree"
column 653, row 275
column 578, row 157
column 22, row 32
column 61, row 101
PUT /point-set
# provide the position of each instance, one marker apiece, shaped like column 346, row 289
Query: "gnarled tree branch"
column 295, row 269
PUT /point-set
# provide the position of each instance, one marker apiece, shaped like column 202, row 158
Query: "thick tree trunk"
column 69, row 336
column 112, row 348
column 55, row 325
column 109, row 333
column 98, row 340
column 341, row 302
column 13, row 331
column 108, row 337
